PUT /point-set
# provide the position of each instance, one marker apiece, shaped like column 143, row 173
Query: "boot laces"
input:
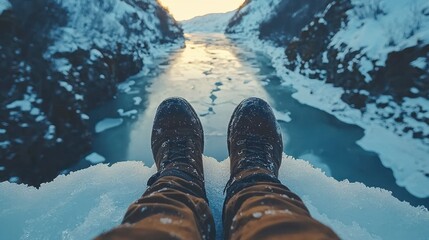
column 256, row 152
column 177, row 151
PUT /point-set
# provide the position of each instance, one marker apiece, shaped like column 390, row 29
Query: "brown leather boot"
column 254, row 142
column 178, row 140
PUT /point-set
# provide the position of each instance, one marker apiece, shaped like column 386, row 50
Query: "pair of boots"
column 257, row 205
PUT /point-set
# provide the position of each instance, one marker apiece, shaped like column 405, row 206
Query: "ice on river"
column 95, row 158
column 108, row 123
column 281, row 116
column 85, row 203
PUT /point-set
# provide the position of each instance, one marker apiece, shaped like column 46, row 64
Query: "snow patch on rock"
column 377, row 28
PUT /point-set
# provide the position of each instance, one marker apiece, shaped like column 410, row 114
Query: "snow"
column 66, row 85
column 409, row 174
column 392, row 148
column 108, row 123
column 40, row 118
column 137, row 100
column 109, row 25
column 420, row 62
column 79, row 97
column 83, row 204
column 95, row 54
column 414, row 90
column 281, row 116
column 210, row 23
column 380, row 27
column 363, row 32
column 24, row 105
column 130, row 113
column 4, row 5
column 95, row 158
column 14, row 179
column 256, row 13
column 84, row 116
column 35, row 111
column 63, row 65
column 50, row 134
column 126, row 86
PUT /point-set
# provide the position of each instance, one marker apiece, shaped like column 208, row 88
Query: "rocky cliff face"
column 276, row 20
column 59, row 59
column 377, row 51
column 387, row 75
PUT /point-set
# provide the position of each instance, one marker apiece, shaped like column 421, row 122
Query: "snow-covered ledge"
column 88, row 202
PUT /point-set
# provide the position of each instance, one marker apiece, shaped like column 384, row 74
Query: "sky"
column 187, row 9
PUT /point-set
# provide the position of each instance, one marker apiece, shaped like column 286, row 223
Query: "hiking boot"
column 255, row 143
column 178, row 139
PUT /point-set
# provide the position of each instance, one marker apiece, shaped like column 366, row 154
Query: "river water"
column 214, row 74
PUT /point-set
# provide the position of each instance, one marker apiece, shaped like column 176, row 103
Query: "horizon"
column 181, row 11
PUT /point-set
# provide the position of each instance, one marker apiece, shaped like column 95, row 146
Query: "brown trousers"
column 256, row 207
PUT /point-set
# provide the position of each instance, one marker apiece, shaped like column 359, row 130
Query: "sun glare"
column 187, row 9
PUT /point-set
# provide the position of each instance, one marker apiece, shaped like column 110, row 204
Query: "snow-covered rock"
column 61, row 58
column 276, row 20
column 91, row 201
column 370, row 58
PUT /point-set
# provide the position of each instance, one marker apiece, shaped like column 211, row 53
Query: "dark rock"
column 290, row 18
column 355, row 99
column 418, row 134
column 47, row 132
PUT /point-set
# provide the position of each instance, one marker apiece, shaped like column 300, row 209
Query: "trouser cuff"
column 236, row 185
column 191, row 178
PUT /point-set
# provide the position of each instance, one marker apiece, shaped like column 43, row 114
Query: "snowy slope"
column 88, row 202
column 371, row 58
column 108, row 24
column 60, row 59
column 210, row 23
column 251, row 15
column 378, row 27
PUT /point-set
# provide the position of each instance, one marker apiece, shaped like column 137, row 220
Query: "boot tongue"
column 160, row 136
column 255, row 152
column 182, row 152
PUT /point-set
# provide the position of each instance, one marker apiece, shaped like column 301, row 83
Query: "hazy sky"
column 186, row 9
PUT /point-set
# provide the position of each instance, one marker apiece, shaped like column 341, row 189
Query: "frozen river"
column 214, row 75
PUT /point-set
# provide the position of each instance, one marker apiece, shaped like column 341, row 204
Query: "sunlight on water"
column 212, row 79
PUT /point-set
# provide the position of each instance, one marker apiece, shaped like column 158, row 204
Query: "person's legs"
column 257, row 205
column 175, row 204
